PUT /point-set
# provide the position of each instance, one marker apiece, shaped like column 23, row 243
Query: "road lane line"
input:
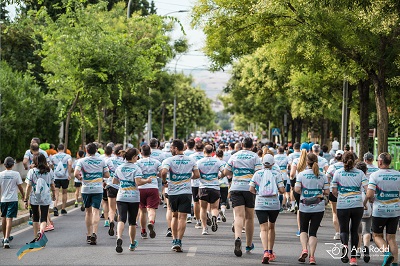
column 192, row 251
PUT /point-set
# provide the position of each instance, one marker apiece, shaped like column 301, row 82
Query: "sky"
column 193, row 62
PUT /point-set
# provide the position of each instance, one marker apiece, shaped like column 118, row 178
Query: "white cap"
column 167, row 146
column 268, row 159
column 339, row 152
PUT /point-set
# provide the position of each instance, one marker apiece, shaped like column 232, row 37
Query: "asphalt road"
column 67, row 245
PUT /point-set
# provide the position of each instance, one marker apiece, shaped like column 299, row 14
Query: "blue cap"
column 305, row 146
column 310, row 145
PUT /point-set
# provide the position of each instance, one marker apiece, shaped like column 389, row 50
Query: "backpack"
column 41, row 190
column 268, row 186
column 59, row 171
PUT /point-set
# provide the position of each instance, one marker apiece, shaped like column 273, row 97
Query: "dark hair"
column 386, row 158
column 199, row 146
column 208, row 149
column 52, row 146
column 281, row 149
column 348, row 160
column 339, row 156
column 40, row 162
column 130, row 153
column 255, row 149
column 260, row 153
column 146, row 151
column 221, row 146
column 220, row 153
column 247, row 142
column 91, row 148
column 296, row 145
column 190, row 143
column 34, row 147
column 60, row 147
column 232, row 145
column 153, row 143
column 118, row 149
column 81, row 153
column 108, row 150
column 347, row 147
column 35, row 140
column 312, row 162
column 324, row 148
column 362, row 166
column 177, row 143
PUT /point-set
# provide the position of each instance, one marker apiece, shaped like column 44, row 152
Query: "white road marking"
column 192, row 251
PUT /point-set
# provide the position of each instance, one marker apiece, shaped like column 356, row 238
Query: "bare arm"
column 196, row 174
column 141, row 181
column 370, row 195
column 227, row 172
column 335, row 192
column 252, row 190
column 25, row 163
column 297, row 190
column 21, row 190
column 163, row 174
column 77, row 174
column 293, row 172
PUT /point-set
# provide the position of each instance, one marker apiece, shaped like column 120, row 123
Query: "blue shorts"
column 288, row 187
column 92, row 200
column 9, row 209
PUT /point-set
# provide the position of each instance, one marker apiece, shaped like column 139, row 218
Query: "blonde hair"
column 302, row 161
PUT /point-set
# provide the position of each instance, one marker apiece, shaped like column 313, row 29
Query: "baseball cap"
column 368, row 156
column 305, row 146
column 8, row 162
column 339, row 152
column 268, row 159
column 167, row 146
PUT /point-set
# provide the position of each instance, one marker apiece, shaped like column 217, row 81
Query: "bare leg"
column 239, row 212
column 64, row 198
column 313, row 245
column 143, row 218
column 249, row 225
column 88, row 221
column 203, row 213
column 181, row 224
column 95, row 219
column 132, row 233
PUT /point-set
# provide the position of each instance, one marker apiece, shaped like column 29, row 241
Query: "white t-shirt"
column 371, row 169
column 92, row 169
column 386, row 184
column 209, row 169
column 157, row 154
column 31, row 179
column 9, row 181
column 282, row 161
column 150, row 168
column 197, row 155
column 76, row 180
column 189, row 152
column 180, row 169
column 127, row 173
column 293, row 155
column 65, row 159
column 335, row 145
column 28, row 155
column 258, row 181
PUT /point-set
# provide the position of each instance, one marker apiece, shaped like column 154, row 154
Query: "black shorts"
column 379, row 223
column 292, row 182
column 209, row 194
column 224, row 194
column 166, row 195
column 332, row 197
column 77, row 184
column 105, row 194
column 112, row 192
column 310, row 222
column 61, row 183
column 267, row 216
column 195, row 194
column 180, row 203
column 240, row 198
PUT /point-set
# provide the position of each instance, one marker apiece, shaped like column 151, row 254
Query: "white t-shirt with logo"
column 180, row 168
column 157, row 154
column 31, row 179
column 127, row 173
column 150, row 168
column 92, row 169
column 197, row 155
column 9, row 181
column 209, row 168
column 28, row 155
column 269, row 203
column 282, row 161
column 371, row 169
column 65, row 159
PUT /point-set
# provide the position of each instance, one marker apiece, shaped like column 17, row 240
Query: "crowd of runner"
column 197, row 181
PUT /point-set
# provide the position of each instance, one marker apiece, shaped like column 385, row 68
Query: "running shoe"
column 272, row 256
column 209, row 222
column 189, row 219
column 238, row 247
column 303, row 256
column 233, row 227
column 205, row 231
column 219, row 220
column 265, row 259
column 82, row 207
column 102, row 215
column 223, row 218
column 312, row 261
column 152, row 233
column 143, row 235
column 30, row 222
column 93, row 239
column 165, row 205
column 353, row 261
column 228, row 206
column 358, row 255
column 169, row 232
column 111, row 229
column 106, row 223
column 119, row 248
column 88, row 239
column 298, row 233
column 387, row 259
column 249, row 249
column 49, row 227
column 336, row 236
column 243, row 230
column 6, row 243
column 281, row 210
column 177, row 247
column 133, row 246
column 76, row 204
column 366, row 254
column 55, row 211
column 198, row 225
column 214, row 225
column 344, row 258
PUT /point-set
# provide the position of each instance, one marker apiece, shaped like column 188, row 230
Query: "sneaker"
column 292, row 209
column 272, row 256
column 119, row 248
column 10, row 238
column 209, row 222
column 169, row 232
column 165, row 205
column 344, row 258
column 30, row 222
column 189, row 220
column 366, row 254
column 106, row 223
column 228, row 206
column 358, row 255
column 198, row 225
column 353, row 261
column 143, row 235
column 177, row 246
column 88, row 239
column 93, row 239
column 173, row 244
column 63, row 211
column 281, row 210
column 133, row 246
column 152, row 233
column 387, row 259
column 336, row 236
column 219, row 220
column 49, row 227
column 6, row 243
column 111, row 229
column 223, row 218
column 76, row 204
column 243, row 230
column 312, row 261
column 214, row 225
column 265, row 259
column 249, row 249
column 298, row 233
column 205, row 231
column 102, row 215
column 55, row 211
column 82, row 207
column 238, row 247
column 303, row 256
column 233, row 227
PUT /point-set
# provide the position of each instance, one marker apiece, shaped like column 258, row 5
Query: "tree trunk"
column 69, row 113
column 293, row 130
column 99, row 124
column 299, row 127
column 83, row 132
column 324, row 132
column 363, row 91
column 113, row 133
column 381, row 111
column 162, row 121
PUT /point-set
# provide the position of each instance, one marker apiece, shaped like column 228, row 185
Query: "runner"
column 195, row 183
column 28, row 156
column 39, row 180
column 383, row 191
column 149, row 197
column 346, row 185
column 281, row 160
column 156, row 153
column 223, row 188
column 91, row 170
column 129, row 176
column 209, row 194
column 267, row 184
column 107, row 157
column 291, row 157
column 77, row 183
column 371, row 168
column 181, row 168
column 62, row 163
column 10, row 181
column 241, row 166
column 312, row 185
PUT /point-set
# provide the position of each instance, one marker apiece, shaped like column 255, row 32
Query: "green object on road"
column 32, row 247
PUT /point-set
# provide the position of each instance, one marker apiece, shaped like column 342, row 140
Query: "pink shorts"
column 149, row 198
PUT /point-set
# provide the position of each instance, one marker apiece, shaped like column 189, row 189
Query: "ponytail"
column 312, row 162
column 348, row 161
column 315, row 169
